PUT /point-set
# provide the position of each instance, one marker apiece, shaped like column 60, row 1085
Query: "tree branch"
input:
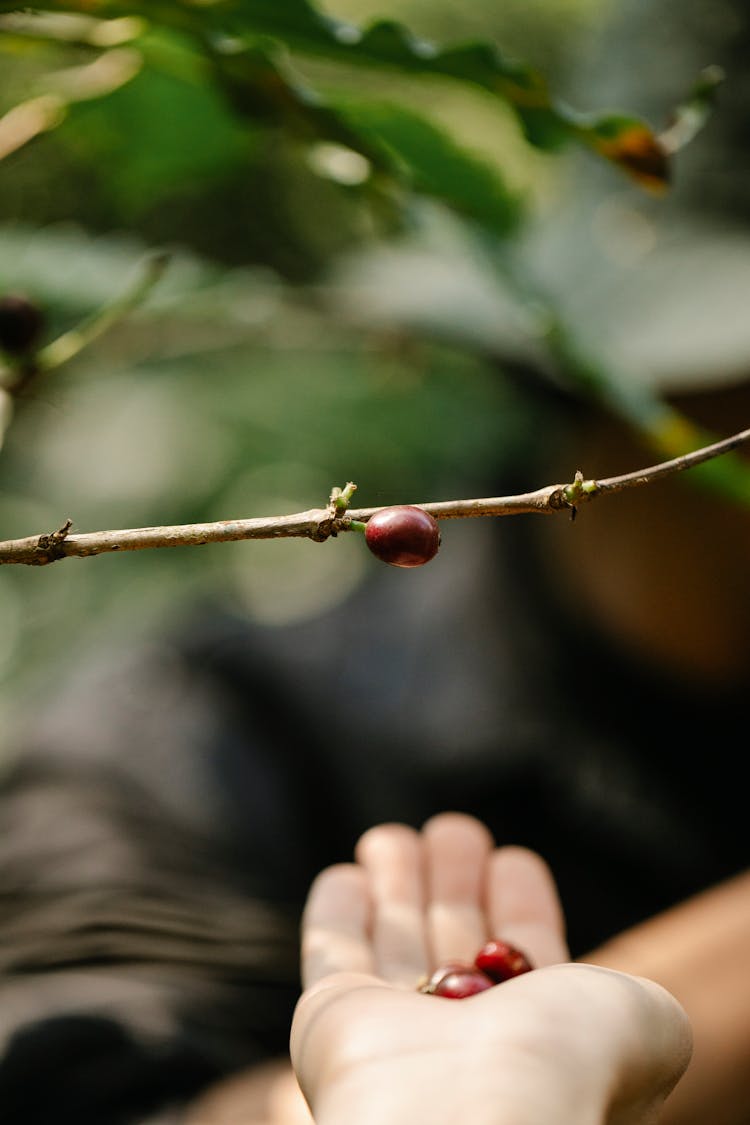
column 320, row 524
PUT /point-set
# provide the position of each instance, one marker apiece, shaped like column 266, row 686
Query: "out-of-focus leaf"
column 435, row 165
column 668, row 431
column 631, row 145
column 643, row 154
column 233, row 26
column 262, row 90
column 61, row 88
column 163, row 129
column 691, row 115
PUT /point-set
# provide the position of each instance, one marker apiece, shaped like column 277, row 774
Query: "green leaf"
column 231, row 26
column 145, row 134
column 668, row 431
column 259, row 87
column 435, row 165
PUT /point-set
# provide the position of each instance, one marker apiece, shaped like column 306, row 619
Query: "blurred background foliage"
column 350, row 293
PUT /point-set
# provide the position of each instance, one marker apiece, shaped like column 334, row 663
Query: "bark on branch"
column 320, row 524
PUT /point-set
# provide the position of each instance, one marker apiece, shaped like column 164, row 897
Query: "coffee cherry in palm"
column 456, row 981
column 460, row 984
column 21, row 323
column 500, row 961
column 403, row 535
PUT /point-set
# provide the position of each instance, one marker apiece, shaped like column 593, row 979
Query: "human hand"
column 565, row 1043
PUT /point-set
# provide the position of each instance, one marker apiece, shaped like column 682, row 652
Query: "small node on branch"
column 334, row 519
column 324, row 530
column 49, row 548
column 580, row 489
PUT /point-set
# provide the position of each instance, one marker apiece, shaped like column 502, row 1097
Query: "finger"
column 456, row 850
column 523, row 905
column 391, row 854
column 336, row 924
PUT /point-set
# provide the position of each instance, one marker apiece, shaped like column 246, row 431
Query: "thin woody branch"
column 320, row 524
column 317, row 524
column 676, row 465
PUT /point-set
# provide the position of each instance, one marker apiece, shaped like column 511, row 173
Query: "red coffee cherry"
column 500, row 961
column 21, row 323
column 403, row 535
column 456, row 981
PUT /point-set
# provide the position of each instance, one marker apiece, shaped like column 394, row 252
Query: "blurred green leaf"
column 230, row 27
column 436, row 166
column 161, row 130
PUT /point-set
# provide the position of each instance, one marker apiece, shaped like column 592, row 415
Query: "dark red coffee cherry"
column 403, row 535
column 460, row 984
column 456, row 981
column 500, row 961
column 21, row 324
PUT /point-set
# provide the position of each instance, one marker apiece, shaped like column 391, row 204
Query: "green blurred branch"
column 17, row 379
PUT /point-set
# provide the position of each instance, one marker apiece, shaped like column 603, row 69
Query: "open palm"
column 566, row 1042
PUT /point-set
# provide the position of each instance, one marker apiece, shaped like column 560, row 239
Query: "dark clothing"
column 160, row 829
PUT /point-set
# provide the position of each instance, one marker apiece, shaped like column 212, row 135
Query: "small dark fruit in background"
column 21, row 324
column 403, row 535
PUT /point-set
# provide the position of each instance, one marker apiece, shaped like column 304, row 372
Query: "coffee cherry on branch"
column 403, row 535
column 500, row 961
column 21, row 324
